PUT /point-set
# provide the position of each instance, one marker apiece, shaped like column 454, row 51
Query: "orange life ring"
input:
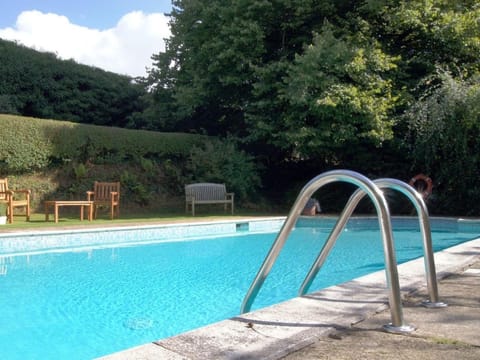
column 425, row 191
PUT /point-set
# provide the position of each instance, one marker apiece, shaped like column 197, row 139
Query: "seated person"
column 312, row 207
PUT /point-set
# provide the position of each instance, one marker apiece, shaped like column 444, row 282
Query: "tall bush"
column 30, row 144
column 221, row 161
column 445, row 134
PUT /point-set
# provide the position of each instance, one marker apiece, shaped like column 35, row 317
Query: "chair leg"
column 10, row 213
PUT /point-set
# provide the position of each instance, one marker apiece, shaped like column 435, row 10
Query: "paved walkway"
column 442, row 334
column 345, row 321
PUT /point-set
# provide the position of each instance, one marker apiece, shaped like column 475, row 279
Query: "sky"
column 114, row 35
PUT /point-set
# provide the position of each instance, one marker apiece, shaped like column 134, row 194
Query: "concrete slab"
column 443, row 333
column 148, row 351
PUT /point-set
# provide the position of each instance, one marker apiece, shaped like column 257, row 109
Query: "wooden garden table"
column 58, row 203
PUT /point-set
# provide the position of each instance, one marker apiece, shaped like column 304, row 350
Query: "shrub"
column 150, row 165
column 221, row 161
column 34, row 144
column 3, row 209
column 136, row 190
column 445, row 130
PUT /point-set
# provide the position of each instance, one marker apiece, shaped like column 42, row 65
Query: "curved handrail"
column 383, row 214
column 422, row 211
column 418, row 202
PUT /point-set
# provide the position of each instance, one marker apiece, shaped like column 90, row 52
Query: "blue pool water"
column 91, row 301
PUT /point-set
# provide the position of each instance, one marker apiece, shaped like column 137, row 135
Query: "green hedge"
column 33, row 144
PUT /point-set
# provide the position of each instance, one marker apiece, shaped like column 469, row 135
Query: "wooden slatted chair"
column 105, row 194
column 14, row 199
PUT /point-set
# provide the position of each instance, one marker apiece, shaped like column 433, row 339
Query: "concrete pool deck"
column 345, row 321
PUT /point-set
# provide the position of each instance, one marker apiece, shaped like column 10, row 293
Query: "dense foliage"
column 319, row 83
column 41, row 85
column 221, row 161
column 33, row 144
column 150, row 165
column 445, row 127
column 295, row 87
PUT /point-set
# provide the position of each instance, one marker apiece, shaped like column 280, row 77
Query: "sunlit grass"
column 71, row 219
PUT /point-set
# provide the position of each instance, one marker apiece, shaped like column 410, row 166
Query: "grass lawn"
column 71, row 219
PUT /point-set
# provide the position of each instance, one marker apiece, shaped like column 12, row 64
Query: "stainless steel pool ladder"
column 422, row 211
column 369, row 188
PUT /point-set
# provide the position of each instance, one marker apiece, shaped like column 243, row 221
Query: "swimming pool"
column 106, row 295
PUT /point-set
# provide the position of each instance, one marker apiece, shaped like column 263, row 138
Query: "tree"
column 217, row 49
column 337, row 92
column 427, row 34
column 445, row 131
column 207, row 68
column 320, row 83
column 38, row 84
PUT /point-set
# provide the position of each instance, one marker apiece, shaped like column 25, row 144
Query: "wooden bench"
column 207, row 193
